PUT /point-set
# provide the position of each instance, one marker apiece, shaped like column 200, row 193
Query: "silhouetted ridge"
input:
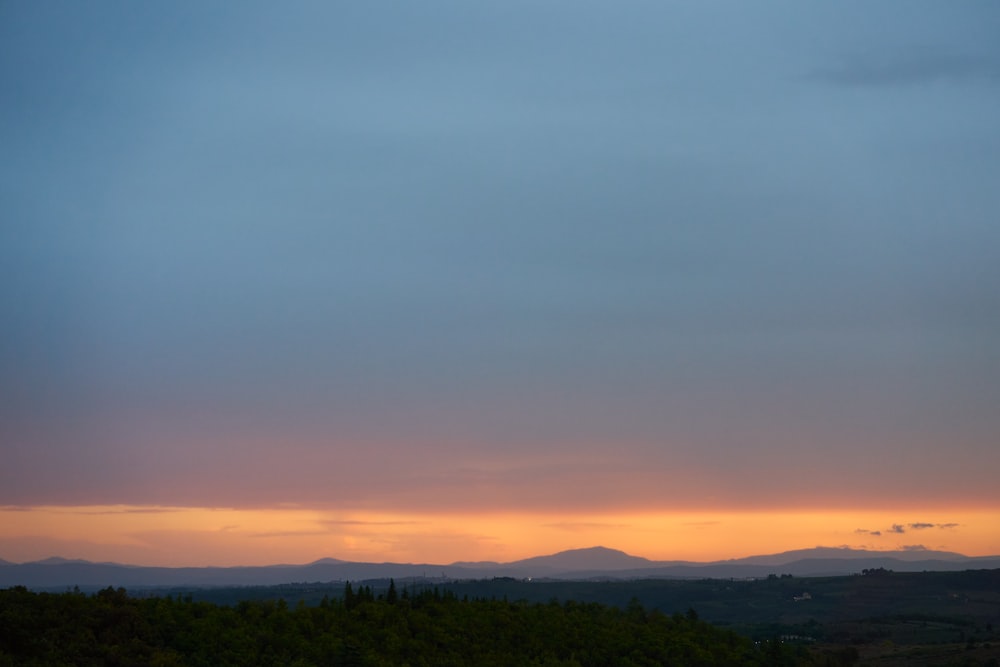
column 592, row 562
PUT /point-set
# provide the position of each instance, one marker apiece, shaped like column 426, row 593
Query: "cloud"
column 69, row 509
column 923, row 525
column 915, row 66
column 90, row 512
column 136, row 510
column 877, row 533
column 583, row 525
column 288, row 533
column 359, row 522
column 914, row 547
column 897, row 528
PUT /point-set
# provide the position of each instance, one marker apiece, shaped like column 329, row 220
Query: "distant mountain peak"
column 588, row 558
column 585, row 563
column 594, row 551
column 328, row 561
column 56, row 560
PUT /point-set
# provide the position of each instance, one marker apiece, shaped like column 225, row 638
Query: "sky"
column 448, row 281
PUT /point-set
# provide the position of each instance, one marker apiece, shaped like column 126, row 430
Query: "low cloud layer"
column 900, row 529
column 912, row 66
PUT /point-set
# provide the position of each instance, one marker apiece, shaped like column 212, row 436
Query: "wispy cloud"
column 913, row 547
column 914, row 66
column 900, row 529
column 360, row 522
column 91, row 510
column 583, row 525
column 140, row 510
column 288, row 533
column 923, row 525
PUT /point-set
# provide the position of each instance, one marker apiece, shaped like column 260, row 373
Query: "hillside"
column 590, row 563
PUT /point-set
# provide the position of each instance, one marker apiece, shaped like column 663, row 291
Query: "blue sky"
column 533, row 254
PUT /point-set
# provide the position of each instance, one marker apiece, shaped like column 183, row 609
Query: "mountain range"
column 575, row 564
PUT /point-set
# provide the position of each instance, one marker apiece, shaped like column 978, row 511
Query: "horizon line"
column 843, row 548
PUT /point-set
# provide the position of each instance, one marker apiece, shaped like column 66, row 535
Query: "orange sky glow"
column 181, row 536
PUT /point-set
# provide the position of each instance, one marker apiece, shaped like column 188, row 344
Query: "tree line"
column 408, row 627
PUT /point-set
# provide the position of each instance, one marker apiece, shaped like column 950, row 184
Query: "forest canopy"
column 428, row 627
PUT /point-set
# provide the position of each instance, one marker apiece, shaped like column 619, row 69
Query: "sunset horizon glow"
column 225, row 537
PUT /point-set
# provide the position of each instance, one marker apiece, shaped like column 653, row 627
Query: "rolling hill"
column 577, row 564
